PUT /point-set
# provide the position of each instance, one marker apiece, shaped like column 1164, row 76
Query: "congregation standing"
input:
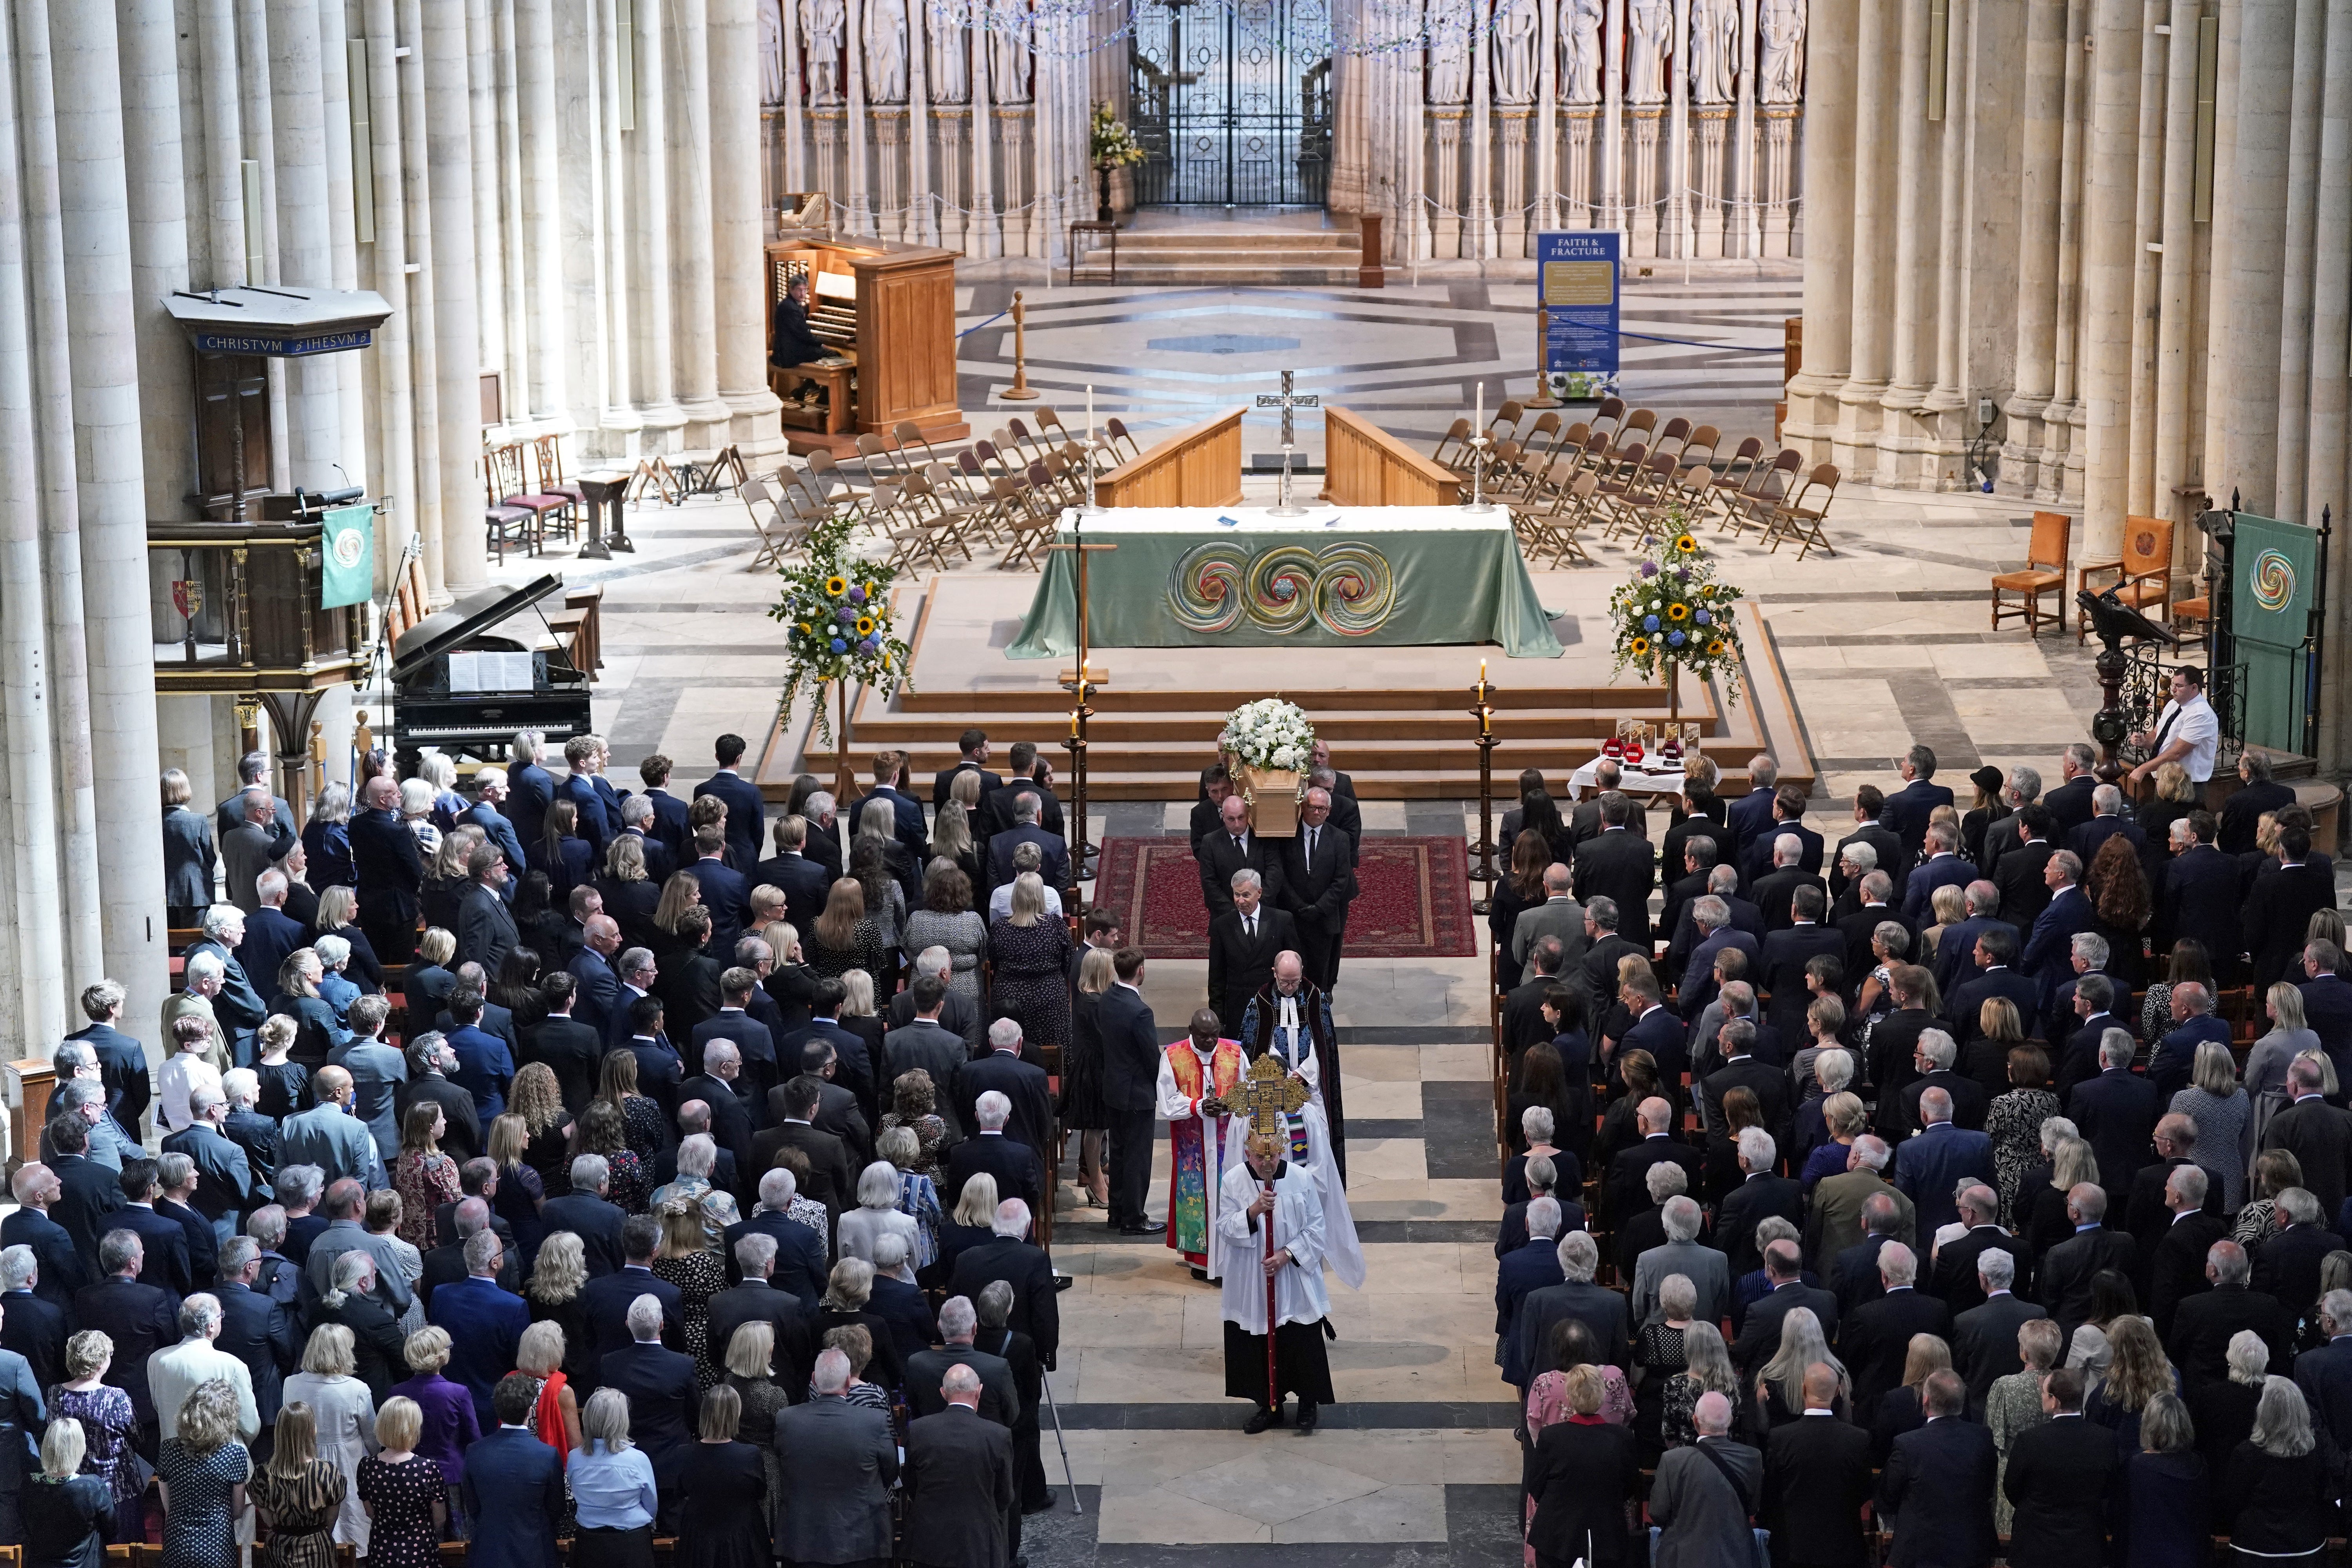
column 1967, row 1179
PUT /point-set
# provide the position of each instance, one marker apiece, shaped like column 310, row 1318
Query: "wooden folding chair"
column 1120, row 443
column 1568, row 515
column 775, row 531
column 1674, row 438
column 1638, row 506
column 1733, row 477
column 1452, row 448
column 1700, row 447
column 1768, row 487
column 880, row 459
column 825, row 468
column 1799, row 517
column 1618, row 476
column 909, row 434
column 2044, row 572
column 1506, row 422
column 1640, row 426
column 1608, row 417
column 2143, row 572
column 1029, row 525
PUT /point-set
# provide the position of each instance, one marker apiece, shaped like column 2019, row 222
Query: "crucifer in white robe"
column 1300, row 1296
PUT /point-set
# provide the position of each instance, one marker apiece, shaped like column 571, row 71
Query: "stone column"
column 982, row 242
column 1829, row 156
column 1945, row 434
column 1612, row 115
column 456, row 328
column 489, row 281
column 159, row 252
column 223, row 144
column 543, row 208
column 695, row 352
column 924, row 223
column 737, row 278
column 645, row 203
column 621, row 414
column 2109, row 198
column 2295, row 267
column 1913, row 296
column 2330, row 401
column 337, row 94
column 854, row 125
column 2255, row 284
column 397, row 423
column 2175, row 286
column 2147, row 227
column 260, row 145
column 1547, row 182
column 1859, row 411
column 1478, row 237
column 125, row 879
column 1745, row 221
column 1677, row 212
column 40, row 83
column 2044, row 105
column 419, row 216
column 509, row 268
column 2061, row 453
column 32, row 959
column 315, row 394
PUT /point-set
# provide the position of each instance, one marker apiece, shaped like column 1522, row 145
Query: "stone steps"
column 1226, row 257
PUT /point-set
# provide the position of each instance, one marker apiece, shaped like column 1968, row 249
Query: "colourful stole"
column 1189, row 1179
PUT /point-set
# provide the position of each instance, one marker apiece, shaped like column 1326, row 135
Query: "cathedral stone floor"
column 1884, row 643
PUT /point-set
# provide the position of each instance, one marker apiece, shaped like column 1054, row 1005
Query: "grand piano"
column 467, row 678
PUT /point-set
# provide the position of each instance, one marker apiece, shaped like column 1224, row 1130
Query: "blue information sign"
column 1577, row 284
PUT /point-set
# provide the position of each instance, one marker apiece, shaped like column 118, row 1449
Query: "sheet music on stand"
column 489, row 671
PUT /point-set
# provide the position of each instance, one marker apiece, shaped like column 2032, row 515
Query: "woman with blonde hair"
column 1081, row 1110
column 556, row 1416
column 685, row 1259
column 339, row 915
column 1903, row 1408
column 1843, row 1118
column 69, row 1518
column 844, row 937
column 298, row 1494
column 2000, row 1030
column 681, row 892
column 345, row 1414
column 445, row 878
column 971, row 1223
column 446, row 1422
column 2013, row 1404
column 190, row 856
column 750, row 1372
column 425, row 1177
column 2290, row 1036
column 518, row 1195
column 723, row 1505
column 557, row 1292
column 2136, row 1373
column 2071, row 1163
column 2225, row 1124
column 202, row 1472
column 536, row 1096
column 1029, row 961
column 406, row 1500
column 612, row 1491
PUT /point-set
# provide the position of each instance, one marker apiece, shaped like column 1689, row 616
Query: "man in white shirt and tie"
column 1242, row 945
column 1319, row 883
column 1236, row 847
column 2187, row 731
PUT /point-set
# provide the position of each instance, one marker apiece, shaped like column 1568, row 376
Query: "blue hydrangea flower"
column 1675, row 639
column 1649, row 623
column 1703, row 618
column 838, row 646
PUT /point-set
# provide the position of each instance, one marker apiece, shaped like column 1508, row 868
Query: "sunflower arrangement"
column 1675, row 611
column 835, row 609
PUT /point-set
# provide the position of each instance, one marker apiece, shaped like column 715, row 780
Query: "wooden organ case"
column 888, row 311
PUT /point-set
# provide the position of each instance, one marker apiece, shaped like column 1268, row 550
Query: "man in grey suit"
column 964, row 1509
column 485, row 928
column 1704, row 1494
column 1131, row 1070
column 1708, row 1270
column 1000, row 1399
column 1597, row 1306
column 249, row 846
column 342, row 1204
column 1559, row 915
column 329, row 1137
column 928, row 1044
column 836, row 1501
column 377, row 1073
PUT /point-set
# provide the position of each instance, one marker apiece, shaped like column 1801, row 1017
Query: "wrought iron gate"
column 1231, row 101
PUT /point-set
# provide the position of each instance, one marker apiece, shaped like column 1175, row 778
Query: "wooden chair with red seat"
column 2143, row 572
column 2044, row 572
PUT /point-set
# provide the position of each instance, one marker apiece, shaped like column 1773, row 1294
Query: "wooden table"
column 1092, row 225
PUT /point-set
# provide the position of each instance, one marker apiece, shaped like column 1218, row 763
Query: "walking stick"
column 1046, row 1378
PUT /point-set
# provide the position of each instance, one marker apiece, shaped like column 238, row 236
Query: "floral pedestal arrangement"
column 1267, row 745
column 1675, row 614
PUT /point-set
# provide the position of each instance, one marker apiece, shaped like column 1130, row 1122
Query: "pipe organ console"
column 887, row 312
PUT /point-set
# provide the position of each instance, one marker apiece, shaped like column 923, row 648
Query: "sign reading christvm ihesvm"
column 286, row 345
column 1577, row 269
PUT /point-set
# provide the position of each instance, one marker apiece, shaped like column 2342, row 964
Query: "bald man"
column 329, row 1136
column 1629, row 1190
column 390, row 868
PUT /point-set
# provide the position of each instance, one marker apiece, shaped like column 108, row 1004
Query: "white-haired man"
column 1024, row 1266
column 800, row 1262
column 927, row 1370
column 1874, row 1341
column 1244, row 942
column 663, row 1396
column 1704, row 1493
column 1682, row 1253
column 177, row 1370
column 836, row 1501
column 1014, row 1069
column 993, row 1151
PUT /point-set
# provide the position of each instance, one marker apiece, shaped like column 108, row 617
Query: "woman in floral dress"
column 687, row 1262
column 425, row 1177
column 405, row 1497
column 104, row 1412
column 640, row 1117
column 2014, row 1120
column 1031, row 957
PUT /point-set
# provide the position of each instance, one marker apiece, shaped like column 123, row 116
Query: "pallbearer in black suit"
column 1319, row 883
column 1243, row 943
column 1291, row 1017
column 1234, row 846
column 963, row 1503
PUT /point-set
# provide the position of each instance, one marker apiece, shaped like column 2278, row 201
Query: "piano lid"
column 469, row 617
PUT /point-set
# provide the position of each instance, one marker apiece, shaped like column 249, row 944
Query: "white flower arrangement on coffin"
column 1270, row 734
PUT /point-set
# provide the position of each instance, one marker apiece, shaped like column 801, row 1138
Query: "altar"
column 1339, row 575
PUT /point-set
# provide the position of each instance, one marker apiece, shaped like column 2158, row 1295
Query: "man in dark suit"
column 29, row 1326
column 2062, row 1479
column 2327, row 1000
column 1929, row 1167
column 1022, row 1265
column 1775, row 892
column 800, row 1254
column 1786, row 954
column 2175, row 1255
column 1017, row 1169
column 606, row 1300
column 2146, row 1214
column 226, row 1188
column 389, row 868
column 1233, row 847
column 1994, row 963
column 757, row 1301
column 1907, row 809
column 669, row 827
column 485, row 1323
column 1874, row 1340
column 430, row 1062
column 89, row 1194
column 255, row 1329
column 62, row 1272
column 524, row 1475
column 2319, row 1136
column 1597, row 971
column 726, row 894
column 2070, row 803
column 1023, row 1083
column 1749, row 818
column 1937, row 1486
column 2048, row 945
column 1932, row 1059
column 1956, row 951
column 832, row 1182
column 1788, row 819
column 1817, row 1481
column 2324, row 1375
column 1597, row 1308
column 962, row 1501
column 1620, row 865
column 1984, row 1338
column 1770, row 1084
column 927, row 1369
column 2276, row 917
column 571, row 1046
column 600, row 997
column 971, row 747
column 2020, row 874
column 1955, row 1282
column 2258, row 792
column 1871, row 828
column 803, row 881
column 1054, row 867
column 1760, row 1337
column 1760, row 1196
column 1244, row 941
column 486, row 929
column 726, row 1115
column 2204, row 1324
column 745, row 809
column 1027, row 775
column 585, row 1212
column 1130, row 1069
column 162, row 1240
column 1532, row 1266
column 1523, row 1023
column 2116, row 1112
column 1628, row 1191
column 140, row 1319
column 1318, row 882
column 2199, row 897
column 1943, row 868
column 2068, row 1268
column 122, row 1060
column 491, row 789
column 2286, row 1265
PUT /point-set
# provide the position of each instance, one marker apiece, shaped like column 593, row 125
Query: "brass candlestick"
column 1484, row 872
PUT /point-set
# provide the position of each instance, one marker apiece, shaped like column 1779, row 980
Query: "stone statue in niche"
column 823, row 24
column 885, row 51
column 1780, row 29
column 1008, row 51
column 947, row 45
column 771, row 51
column 1714, row 50
column 1580, row 47
column 1648, row 27
column 1516, row 34
column 1449, row 54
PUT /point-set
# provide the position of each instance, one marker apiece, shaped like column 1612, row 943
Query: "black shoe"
column 1263, row 1419
column 1052, row 1498
column 1144, row 1229
column 1064, row 1281
column 1306, row 1419
column 1200, row 1273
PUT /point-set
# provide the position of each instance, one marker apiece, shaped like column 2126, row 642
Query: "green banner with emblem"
column 2276, row 569
column 347, row 556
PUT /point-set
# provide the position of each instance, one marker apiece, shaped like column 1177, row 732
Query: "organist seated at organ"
column 793, row 343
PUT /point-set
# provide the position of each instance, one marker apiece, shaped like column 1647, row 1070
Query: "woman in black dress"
column 843, row 938
column 725, row 1489
column 539, row 922
column 515, row 987
column 2277, row 1501
column 68, row 1517
column 538, row 1098
column 1082, row 1105
column 642, row 1123
column 405, row 1497
column 1520, row 888
column 1031, row 957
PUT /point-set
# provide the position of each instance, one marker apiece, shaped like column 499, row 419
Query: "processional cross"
column 1287, row 400
column 1266, row 1094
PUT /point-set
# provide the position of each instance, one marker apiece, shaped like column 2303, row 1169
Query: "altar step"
column 1221, row 256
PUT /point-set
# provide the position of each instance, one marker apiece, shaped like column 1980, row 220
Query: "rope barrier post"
column 1020, row 391
column 1543, row 397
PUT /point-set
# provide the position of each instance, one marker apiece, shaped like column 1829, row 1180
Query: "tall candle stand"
column 1484, row 872
column 1081, row 849
column 1478, row 501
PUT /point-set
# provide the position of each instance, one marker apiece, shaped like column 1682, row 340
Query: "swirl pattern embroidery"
column 2271, row 580
column 1347, row 589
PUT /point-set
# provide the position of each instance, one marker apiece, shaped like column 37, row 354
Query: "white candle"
column 1478, row 423
column 1090, row 412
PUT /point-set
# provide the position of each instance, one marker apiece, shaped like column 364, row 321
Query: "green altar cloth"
column 1408, row 576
